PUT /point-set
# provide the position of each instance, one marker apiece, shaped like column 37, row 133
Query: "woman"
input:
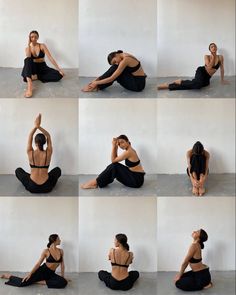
column 121, row 258
column 39, row 181
column 198, row 168
column 44, row 273
column 125, row 69
column 203, row 73
column 199, row 277
column 131, row 175
column 35, row 66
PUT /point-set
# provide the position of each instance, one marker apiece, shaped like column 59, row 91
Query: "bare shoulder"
column 189, row 153
column 207, row 154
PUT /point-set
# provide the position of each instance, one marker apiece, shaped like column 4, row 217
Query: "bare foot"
column 34, row 77
column 28, row 93
column 163, row 86
column 5, row 276
column 89, row 88
column 195, row 191
column 41, row 283
column 91, row 184
column 208, row 286
column 178, row 81
column 201, row 191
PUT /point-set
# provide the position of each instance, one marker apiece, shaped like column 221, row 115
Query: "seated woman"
column 131, row 175
column 198, row 168
column 39, row 181
column 35, row 66
column 44, row 274
column 203, row 73
column 199, row 277
column 125, row 69
column 121, row 258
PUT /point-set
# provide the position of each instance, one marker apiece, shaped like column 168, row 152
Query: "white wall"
column 56, row 22
column 178, row 217
column 100, row 219
column 100, row 120
column 186, row 28
column 59, row 118
column 109, row 25
column 180, row 123
column 25, row 225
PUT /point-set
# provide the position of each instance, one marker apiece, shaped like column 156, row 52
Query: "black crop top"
column 135, row 68
column 51, row 259
column 131, row 164
column 117, row 264
column 195, row 260
column 36, row 166
column 216, row 67
column 40, row 55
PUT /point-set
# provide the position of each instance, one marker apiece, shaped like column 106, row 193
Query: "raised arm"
column 27, row 49
column 185, row 263
column 49, row 141
column 30, row 140
column 210, row 60
column 114, row 157
column 52, row 60
column 37, row 265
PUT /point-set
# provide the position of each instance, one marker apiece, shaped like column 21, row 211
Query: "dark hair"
column 122, row 239
column 52, row 238
column 112, row 55
column 34, row 32
column 124, row 137
column 40, row 140
column 198, row 148
column 211, row 44
column 203, row 238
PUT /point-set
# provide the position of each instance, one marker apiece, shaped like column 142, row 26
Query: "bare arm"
column 30, row 140
column 185, row 263
column 52, row 60
column 116, row 74
column 27, row 49
column 207, row 155
column 37, row 265
column 49, row 141
column 62, row 265
column 210, row 61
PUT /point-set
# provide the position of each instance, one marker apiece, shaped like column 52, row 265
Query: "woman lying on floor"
column 35, row 67
column 198, row 168
column 203, row 73
column 199, row 277
column 44, row 274
column 125, row 69
column 131, row 175
column 39, row 181
column 121, row 258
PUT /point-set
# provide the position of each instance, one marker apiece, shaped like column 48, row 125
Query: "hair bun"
column 48, row 245
column 119, row 51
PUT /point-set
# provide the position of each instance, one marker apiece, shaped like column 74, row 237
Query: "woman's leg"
column 130, row 82
column 202, row 181
column 105, row 277
column 187, row 282
column 47, row 74
column 23, row 177
column 28, row 74
column 133, row 275
column 56, row 282
column 54, row 175
column 122, row 174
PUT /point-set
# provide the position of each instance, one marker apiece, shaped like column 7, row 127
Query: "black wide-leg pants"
column 43, row 72
column 126, row 79
column 121, row 173
column 43, row 273
column 114, row 284
column 201, row 79
column 194, row 280
column 33, row 187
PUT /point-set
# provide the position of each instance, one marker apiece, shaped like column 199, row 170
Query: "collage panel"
column 196, row 137
column 39, row 43
column 117, row 46
column 39, row 230
column 104, row 223
column 182, row 222
column 196, row 52
column 120, row 130
column 39, row 158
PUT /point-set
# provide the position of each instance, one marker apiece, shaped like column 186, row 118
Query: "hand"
column 29, row 41
column 61, row 72
column 177, row 277
column 37, row 121
column 114, row 141
column 26, row 278
column 225, row 82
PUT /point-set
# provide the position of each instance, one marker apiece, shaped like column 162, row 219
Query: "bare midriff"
column 137, row 168
column 211, row 71
column 53, row 266
column 119, row 273
column 198, row 266
column 39, row 60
